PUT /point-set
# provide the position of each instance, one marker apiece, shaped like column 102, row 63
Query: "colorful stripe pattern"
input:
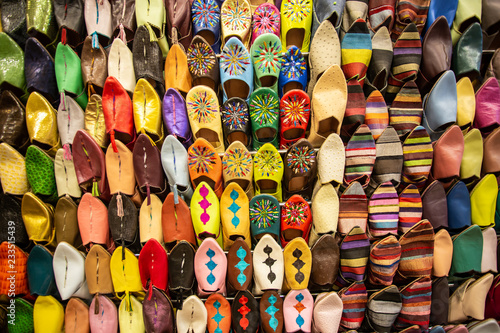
column 389, row 163
column 354, row 299
column 383, row 211
column 354, row 111
column 417, row 251
column 410, row 208
column 381, row 13
column 383, row 308
column 417, row 158
column 354, row 252
column 360, row 156
column 356, row 51
column 406, row 110
column 353, row 209
column 384, row 261
column 414, row 11
column 416, row 309
column 377, row 117
column 406, row 61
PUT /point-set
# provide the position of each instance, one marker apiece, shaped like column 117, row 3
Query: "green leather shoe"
column 264, row 113
column 69, row 74
column 11, row 66
column 266, row 52
column 467, row 53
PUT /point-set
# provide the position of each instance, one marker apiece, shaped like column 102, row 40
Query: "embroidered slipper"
column 268, row 265
column 210, row 267
column 405, row 112
column 175, row 117
column 266, row 19
column 240, row 266
column 237, row 166
column 245, row 313
column 406, row 61
column 360, row 156
column 266, row 58
column 296, row 21
column 294, row 117
column 205, row 165
column 264, row 115
column 298, row 261
column 355, row 110
column 417, row 158
column 389, row 161
column 298, row 304
column 204, row 116
column 268, row 171
column 353, row 209
column 356, row 51
column 380, row 64
column 264, row 217
column 383, row 211
column 300, row 170
column 325, row 47
column 234, row 215
column 236, row 21
column 329, row 99
column 236, row 69
column 271, row 312
column 325, row 209
column 218, row 314
column 174, row 160
column 331, row 160
column 296, row 220
column 293, row 73
column 202, row 61
column 410, row 208
column 236, row 122
column 206, row 19
column 205, row 214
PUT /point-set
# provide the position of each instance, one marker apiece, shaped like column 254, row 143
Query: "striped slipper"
column 380, row 64
column 410, row 208
column 381, row 14
column 406, row 61
column 360, row 156
column 416, row 308
column 353, row 209
column 389, row 162
column 354, row 299
column 377, row 116
column 417, row 158
column 414, row 11
column 406, row 110
column 355, row 110
column 354, row 253
column 383, row 211
column 383, row 307
column 356, row 49
column 353, row 10
column 417, row 248
column 384, row 261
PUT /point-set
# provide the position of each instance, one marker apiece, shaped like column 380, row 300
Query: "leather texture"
column 66, row 181
column 467, row 52
column 239, row 265
column 11, row 208
column 148, row 59
column 186, row 322
column 76, row 316
column 212, row 277
column 14, row 271
column 443, row 253
column 40, row 173
column 69, row 270
column 467, row 252
column 38, row 218
column 70, row 118
column 181, row 272
column 147, row 111
column 487, row 102
column 12, row 65
column 295, row 300
column 94, row 65
column 39, row 70
column 41, row 121
column 245, row 313
column 434, row 205
column 491, row 161
column 158, row 312
column 120, row 163
column 40, row 272
column 130, row 316
column 48, row 307
column 179, row 27
column 97, row 271
column 459, row 207
column 69, row 15
column 483, row 201
column 120, row 64
column 235, row 221
column 150, row 226
column 94, row 123
column 12, row 170
column 123, row 19
column 103, row 315
column 325, row 263
column 268, row 274
column 66, row 222
column 93, row 221
column 122, row 217
column 13, row 129
column 125, row 273
column 153, row 265
column 68, row 69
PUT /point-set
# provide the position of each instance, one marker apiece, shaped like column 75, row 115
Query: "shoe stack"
column 249, row 166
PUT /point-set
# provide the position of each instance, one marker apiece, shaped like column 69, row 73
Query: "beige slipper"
column 331, row 160
column 325, row 209
column 328, row 103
